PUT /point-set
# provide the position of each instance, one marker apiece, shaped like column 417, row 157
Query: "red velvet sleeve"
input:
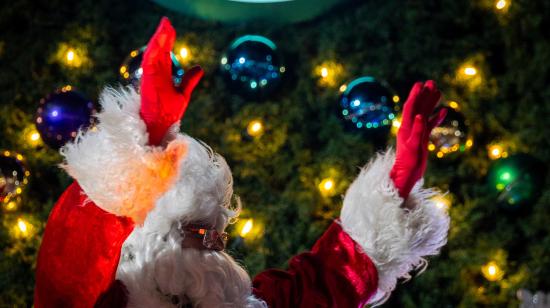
column 336, row 273
column 79, row 253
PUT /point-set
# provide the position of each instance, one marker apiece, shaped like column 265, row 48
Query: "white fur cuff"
column 396, row 239
column 114, row 165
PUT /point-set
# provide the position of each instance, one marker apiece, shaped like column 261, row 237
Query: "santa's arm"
column 387, row 226
column 120, row 168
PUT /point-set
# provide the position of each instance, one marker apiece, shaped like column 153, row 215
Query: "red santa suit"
column 116, row 237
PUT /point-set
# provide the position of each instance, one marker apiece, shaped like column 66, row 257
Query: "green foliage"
column 277, row 174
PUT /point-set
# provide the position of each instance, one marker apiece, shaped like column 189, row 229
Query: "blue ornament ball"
column 60, row 116
column 252, row 66
column 131, row 71
column 368, row 104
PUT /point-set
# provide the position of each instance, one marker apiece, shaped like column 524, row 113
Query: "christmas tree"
column 293, row 150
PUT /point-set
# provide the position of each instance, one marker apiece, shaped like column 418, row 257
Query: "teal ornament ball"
column 368, row 104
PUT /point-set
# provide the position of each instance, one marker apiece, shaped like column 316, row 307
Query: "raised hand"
column 162, row 104
column 413, row 135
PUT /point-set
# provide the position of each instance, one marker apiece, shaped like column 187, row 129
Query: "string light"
column 470, row 75
column 70, row 55
column 501, row 4
column 396, row 123
column 343, row 88
column 496, row 151
column 247, row 227
column 22, row 225
column 255, row 128
column 470, row 71
column 491, row 271
column 22, row 228
column 395, row 99
column 33, row 138
column 453, row 104
column 442, row 201
column 327, row 187
column 11, row 206
column 330, row 73
column 184, row 53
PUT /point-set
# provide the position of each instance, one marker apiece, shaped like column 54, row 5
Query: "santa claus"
column 143, row 225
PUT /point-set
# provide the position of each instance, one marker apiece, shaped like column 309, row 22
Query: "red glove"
column 162, row 104
column 412, row 138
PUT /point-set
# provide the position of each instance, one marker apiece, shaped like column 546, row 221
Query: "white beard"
column 159, row 273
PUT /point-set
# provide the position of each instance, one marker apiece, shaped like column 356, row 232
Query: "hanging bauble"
column 252, row 66
column 368, row 103
column 131, row 71
column 61, row 114
column 266, row 11
column 12, row 175
column 517, row 180
column 451, row 136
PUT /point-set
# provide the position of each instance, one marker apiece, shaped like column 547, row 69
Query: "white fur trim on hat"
column 395, row 238
column 113, row 164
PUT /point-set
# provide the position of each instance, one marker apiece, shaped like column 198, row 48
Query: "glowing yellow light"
column 431, row 147
column 395, row 99
column 123, row 69
column 22, row 226
column 491, row 271
column 70, row 55
column 495, row 151
column 134, row 53
column 501, row 4
column 19, row 157
column 343, row 88
column 396, row 123
column 7, row 153
column 184, row 53
column 247, row 227
column 10, row 206
column 255, row 128
column 34, row 136
column 18, row 190
column 453, row 105
column 470, row 71
column 469, row 143
column 126, row 75
column 329, row 74
column 327, row 187
column 440, row 154
column 442, row 201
